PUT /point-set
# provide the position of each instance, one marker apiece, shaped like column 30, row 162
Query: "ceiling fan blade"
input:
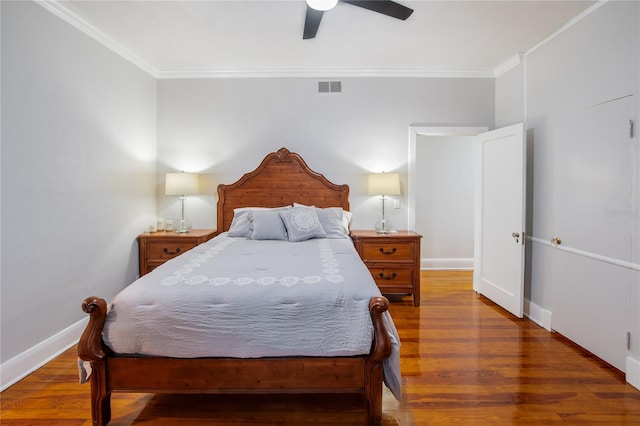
column 386, row 7
column 311, row 23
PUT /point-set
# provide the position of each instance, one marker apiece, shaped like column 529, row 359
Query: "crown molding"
column 517, row 58
column 59, row 10
column 323, row 73
column 588, row 11
column 510, row 63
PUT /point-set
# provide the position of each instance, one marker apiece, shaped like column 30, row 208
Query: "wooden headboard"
column 283, row 178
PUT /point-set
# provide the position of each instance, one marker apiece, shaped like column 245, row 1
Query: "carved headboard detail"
column 281, row 179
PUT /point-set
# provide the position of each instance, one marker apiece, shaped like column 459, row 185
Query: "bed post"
column 90, row 349
column 373, row 392
column 380, row 351
column 382, row 343
column 100, row 397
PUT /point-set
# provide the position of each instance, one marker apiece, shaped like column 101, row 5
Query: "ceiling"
column 171, row 39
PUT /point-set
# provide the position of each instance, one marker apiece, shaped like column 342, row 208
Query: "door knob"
column 516, row 235
column 556, row 241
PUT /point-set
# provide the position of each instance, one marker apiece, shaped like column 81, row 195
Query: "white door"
column 593, row 217
column 500, row 218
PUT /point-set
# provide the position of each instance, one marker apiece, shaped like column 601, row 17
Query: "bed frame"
column 281, row 179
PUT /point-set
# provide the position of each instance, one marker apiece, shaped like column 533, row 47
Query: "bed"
column 122, row 359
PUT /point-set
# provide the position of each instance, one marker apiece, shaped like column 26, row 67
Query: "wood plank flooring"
column 464, row 361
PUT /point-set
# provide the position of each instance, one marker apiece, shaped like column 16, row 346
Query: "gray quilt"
column 235, row 297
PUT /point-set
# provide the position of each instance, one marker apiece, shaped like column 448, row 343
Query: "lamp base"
column 183, row 227
column 383, row 227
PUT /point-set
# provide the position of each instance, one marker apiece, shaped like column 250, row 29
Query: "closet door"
column 593, row 224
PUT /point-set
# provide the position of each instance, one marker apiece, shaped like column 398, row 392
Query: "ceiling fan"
column 316, row 8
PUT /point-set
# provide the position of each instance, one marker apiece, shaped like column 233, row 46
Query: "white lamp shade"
column 182, row 184
column 384, row 184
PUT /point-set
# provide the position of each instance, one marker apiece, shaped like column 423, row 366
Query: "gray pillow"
column 241, row 224
column 267, row 225
column 332, row 222
column 302, row 224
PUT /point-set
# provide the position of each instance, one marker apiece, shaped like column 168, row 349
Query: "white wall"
column 224, row 127
column 510, row 96
column 78, row 175
column 445, row 200
column 594, row 62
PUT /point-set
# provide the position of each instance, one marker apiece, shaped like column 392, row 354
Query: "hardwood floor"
column 464, row 361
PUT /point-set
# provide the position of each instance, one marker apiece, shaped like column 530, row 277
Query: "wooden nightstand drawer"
column 392, row 259
column 391, row 251
column 158, row 247
column 166, row 250
column 393, row 277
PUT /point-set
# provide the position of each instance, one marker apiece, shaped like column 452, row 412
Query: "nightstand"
column 158, row 247
column 393, row 260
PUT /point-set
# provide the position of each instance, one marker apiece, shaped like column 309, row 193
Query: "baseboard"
column 542, row 317
column 447, row 263
column 633, row 372
column 35, row 357
column 537, row 314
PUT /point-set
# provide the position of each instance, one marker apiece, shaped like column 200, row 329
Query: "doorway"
column 441, row 193
column 499, row 208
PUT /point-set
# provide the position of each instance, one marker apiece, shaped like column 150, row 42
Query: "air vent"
column 329, row 86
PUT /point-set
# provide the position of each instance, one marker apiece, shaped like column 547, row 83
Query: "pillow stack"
column 298, row 223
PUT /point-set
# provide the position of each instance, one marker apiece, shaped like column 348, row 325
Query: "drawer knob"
column 389, row 277
column 393, row 250
column 166, row 250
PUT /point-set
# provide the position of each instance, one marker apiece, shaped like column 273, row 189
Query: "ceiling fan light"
column 322, row 5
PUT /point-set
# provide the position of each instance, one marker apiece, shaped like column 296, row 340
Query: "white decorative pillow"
column 302, row 223
column 346, row 220
column 334, row 220
column 267, row 225
column 241, row 223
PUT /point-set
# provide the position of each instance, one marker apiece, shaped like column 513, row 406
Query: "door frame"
column 416, row 130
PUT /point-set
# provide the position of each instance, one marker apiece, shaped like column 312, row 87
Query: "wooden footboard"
column 113, row 373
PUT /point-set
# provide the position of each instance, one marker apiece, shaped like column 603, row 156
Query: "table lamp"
column 182, row 184
column 384, row 184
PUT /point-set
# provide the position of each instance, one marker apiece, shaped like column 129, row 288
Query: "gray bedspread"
column 235, row 297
